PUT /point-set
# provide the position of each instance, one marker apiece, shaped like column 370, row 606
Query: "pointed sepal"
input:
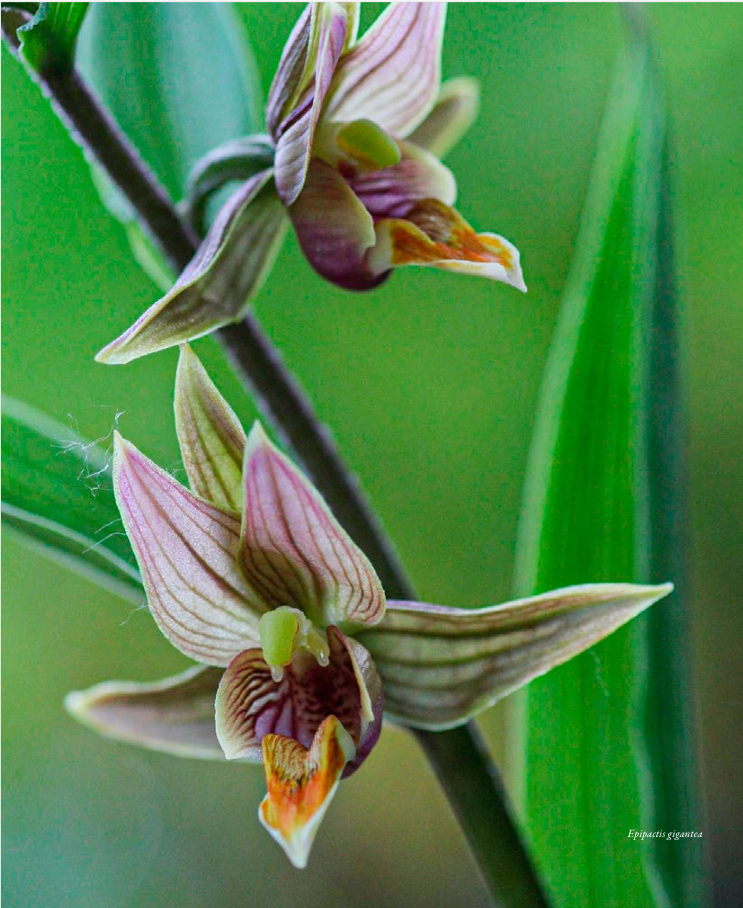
column 295, row 133
column 440, row 666
column 293, row 550
column 453, row 113
column 211, row 438
column 392, row 74
column 301, row 783
column 186, row 550
column 174, row 716
column 218, row 284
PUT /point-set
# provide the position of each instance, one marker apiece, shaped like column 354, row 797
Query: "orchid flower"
column 351, row 159
column 250, row 575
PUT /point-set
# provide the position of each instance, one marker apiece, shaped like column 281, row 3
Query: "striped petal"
column 453, row 113
column 295, row 133
column 216, row 287
column 440, row 666
column 251, row 705
column 175, row 716
column 301, row 783
column 435, row 235
column 392, row 74
column 294, row 552
column 210, row 435
column 392, row 192
column 295, row 69
column 186, row 550
column 334, row 229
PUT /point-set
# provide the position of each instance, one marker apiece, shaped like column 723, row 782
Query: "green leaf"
column 603, row 747
column 57, row 494
column 179, row 78
column 48, row 39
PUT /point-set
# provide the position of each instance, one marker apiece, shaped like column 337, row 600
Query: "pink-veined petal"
column 393, row 191
column 295, row 67
column 210, row 435
column 453, row 113
column 294, row 552
column 435, row 235
column 250, row 704
column 392, row 74
column 440, row 666
column 295, row 133
column 334, row 229
column 186, row 550
column 174, row 716
column 301, row 783
column 219, row 282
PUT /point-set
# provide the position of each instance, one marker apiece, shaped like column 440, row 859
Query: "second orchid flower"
column 356, row 129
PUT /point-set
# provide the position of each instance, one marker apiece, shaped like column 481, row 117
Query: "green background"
column 430, row 386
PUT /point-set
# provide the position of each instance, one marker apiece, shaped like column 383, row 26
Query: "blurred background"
column 430, row 386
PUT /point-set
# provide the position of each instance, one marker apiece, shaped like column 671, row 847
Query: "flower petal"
column 334, row 229
column 294, row 552
column 186, row 551
column 453, row 113
column 301, row 783
column 210, row 435
column 436, row 235
column 392, row 74
column 296, row 131
column 217, row 285
column 175, row 715
column 250, row 704
column 393, row 191
column 440, row 666
column 295, row 67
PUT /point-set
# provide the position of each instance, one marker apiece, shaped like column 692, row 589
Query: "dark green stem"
column 458, row 757
column 467, row 775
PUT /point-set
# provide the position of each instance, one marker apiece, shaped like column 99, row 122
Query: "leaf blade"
column 57, row 496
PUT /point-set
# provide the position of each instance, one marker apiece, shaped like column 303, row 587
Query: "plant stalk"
column 458, row 757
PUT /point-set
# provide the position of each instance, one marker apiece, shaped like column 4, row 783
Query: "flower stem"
column 458, row 757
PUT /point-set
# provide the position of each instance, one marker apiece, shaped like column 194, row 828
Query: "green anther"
column 283, row 631
column 278, row 629
column 368, row 144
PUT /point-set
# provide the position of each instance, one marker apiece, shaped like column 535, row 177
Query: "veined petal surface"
column 215, row 288
column 175, row 715
column 295, row 67
column 392, row 192
column 334, row 229
column 186, row 550
column 301, row 783
column 393, row 73
column 250, row 704
column 294, row 135
column 453, row 113
column 434, row 234
column 294, row 552
column 211, row 438
column 440, row 665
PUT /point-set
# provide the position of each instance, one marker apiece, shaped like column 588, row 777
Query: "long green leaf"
column 600, row 732
column 179, row 78
column 57, row 494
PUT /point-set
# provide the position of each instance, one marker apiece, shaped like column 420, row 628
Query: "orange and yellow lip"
column 301, row 783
